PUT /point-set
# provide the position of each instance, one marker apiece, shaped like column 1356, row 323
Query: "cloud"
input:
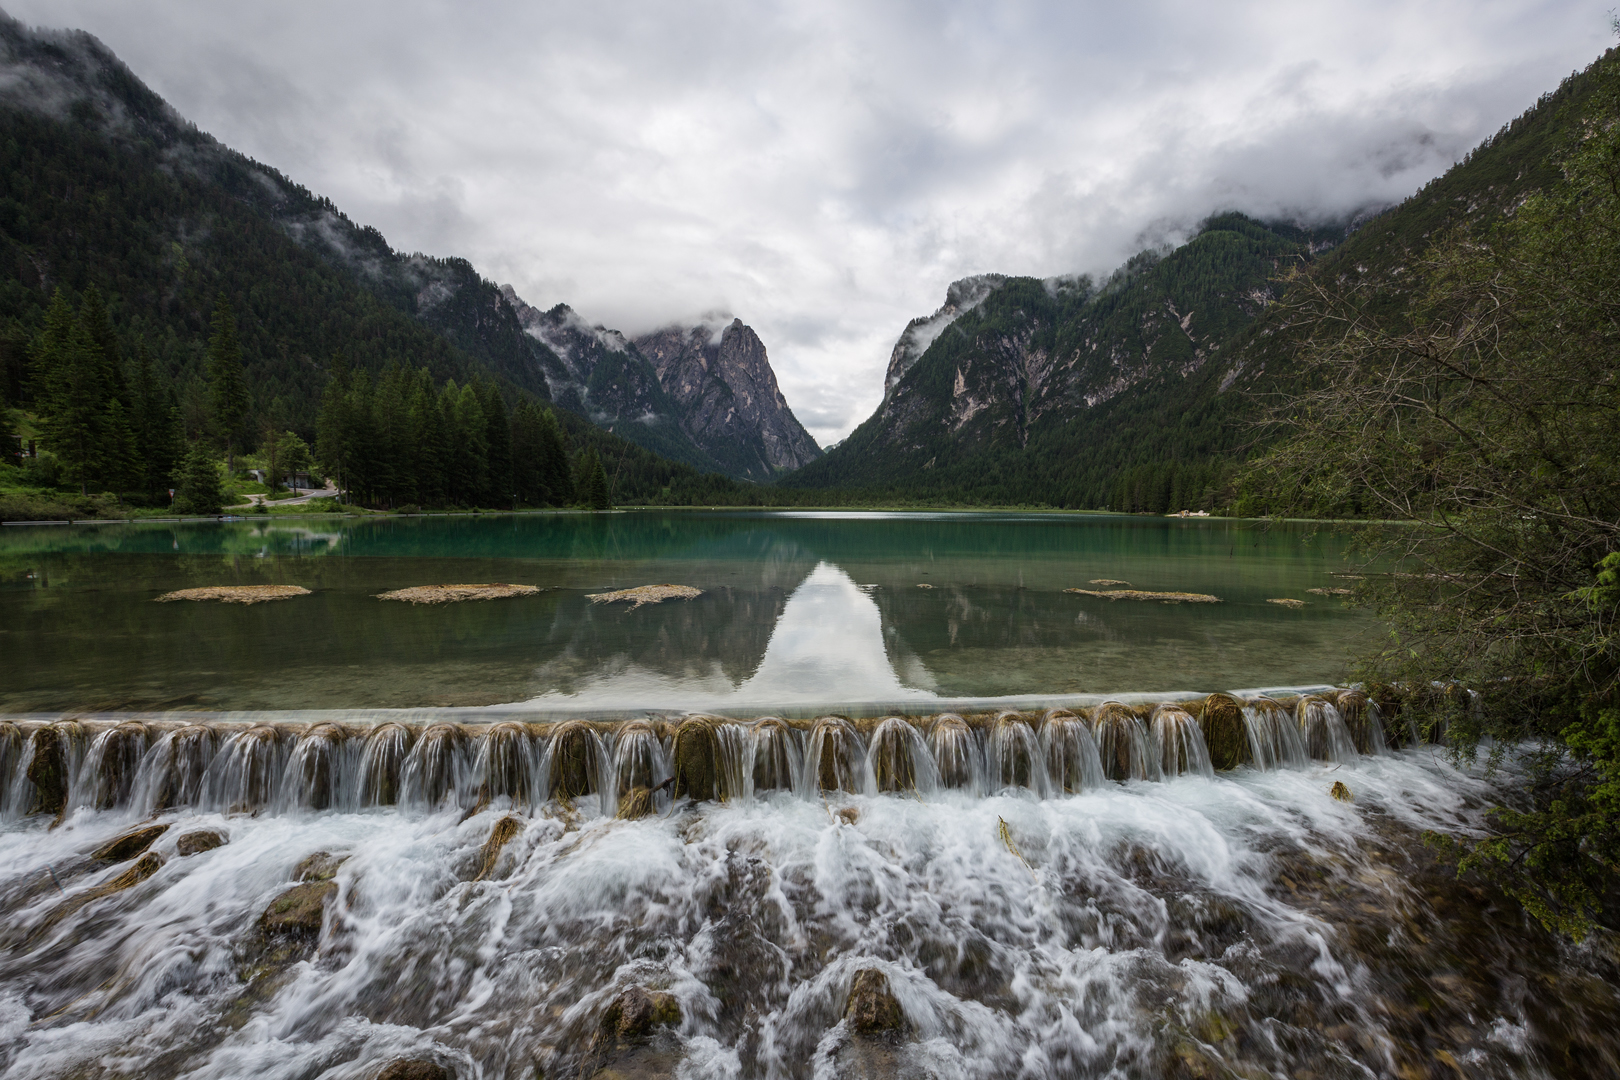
column 825, row 169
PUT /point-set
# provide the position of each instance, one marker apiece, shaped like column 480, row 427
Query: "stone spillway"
column 630, row 768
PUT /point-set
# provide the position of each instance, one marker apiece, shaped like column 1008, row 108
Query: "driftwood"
column 450, row 594
column 1143, row 594
column 237, row 594
column 645, row 594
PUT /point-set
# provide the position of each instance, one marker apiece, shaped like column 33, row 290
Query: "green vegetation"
column 1476, row 393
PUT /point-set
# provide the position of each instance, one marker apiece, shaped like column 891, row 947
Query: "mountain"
column 1022, row 390
column 1142, row 392
column 722, row 380
column 103, row 183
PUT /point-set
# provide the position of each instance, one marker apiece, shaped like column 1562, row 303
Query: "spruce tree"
column 555, row 484
column 198, row 487
column 593, row 486
column 498, row 438
column 69, row 393
column 228, row 387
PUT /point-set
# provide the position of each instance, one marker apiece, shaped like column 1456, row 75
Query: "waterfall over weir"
column 1157, row 889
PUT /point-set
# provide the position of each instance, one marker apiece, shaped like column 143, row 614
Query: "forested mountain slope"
column 1142, row 393
column 102, row 183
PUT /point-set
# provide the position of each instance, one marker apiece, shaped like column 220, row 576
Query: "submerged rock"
column 130, row 844
column 872, row 1008
column 1225, row 734
column 195, row 843
column 414, row 1069
column 144, row 867
column 632, row 1039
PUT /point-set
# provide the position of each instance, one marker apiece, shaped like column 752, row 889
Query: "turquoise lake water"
column 799, row 610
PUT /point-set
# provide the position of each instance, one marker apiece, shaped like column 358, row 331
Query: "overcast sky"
column 825, row 170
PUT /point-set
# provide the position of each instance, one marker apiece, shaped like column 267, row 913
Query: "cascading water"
column 1323, row 731
column 1179, row 742
column 499, row 921
column 1274, row 738
column 1123, row 744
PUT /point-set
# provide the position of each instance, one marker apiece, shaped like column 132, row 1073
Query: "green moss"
column 298, row 911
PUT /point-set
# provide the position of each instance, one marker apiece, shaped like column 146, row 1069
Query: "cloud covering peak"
column 825, row 170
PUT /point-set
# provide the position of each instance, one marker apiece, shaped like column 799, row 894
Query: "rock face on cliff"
column 1024, row 390
column 722, row 380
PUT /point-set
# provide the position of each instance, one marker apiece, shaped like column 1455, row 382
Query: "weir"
column 280, row 766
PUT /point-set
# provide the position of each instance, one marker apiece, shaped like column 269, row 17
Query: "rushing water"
column 1029, row 915
column 319, row 838
column 799, row 610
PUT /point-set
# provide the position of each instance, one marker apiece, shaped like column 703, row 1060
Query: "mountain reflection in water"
column 828, row 641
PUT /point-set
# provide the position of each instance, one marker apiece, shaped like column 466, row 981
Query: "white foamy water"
column 1134, row 929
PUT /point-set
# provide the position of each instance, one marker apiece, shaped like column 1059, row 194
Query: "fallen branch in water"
column 1143, row 594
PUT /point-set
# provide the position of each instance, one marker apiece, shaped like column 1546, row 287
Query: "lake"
column 800, row 611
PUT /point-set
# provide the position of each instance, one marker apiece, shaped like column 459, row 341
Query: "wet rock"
column 315, row 764
column 130, row 844
column 1013, row 751
column 633, row 1038
column 849, row 815
column 836, row 750
column 195, row 843
column 503, row 762
column 414, row 1069
column 386, row 748
column 636, row 1012
column 573, row 761
column 298, row 911
column 697, row 760
column 189, row 751
column 893, row 750
column 504, row 831
column 321, row 866
column 1221, row 717
column 872, row 1009
column 120, row 750
column 144, row 867
column 435, row 756
column 953, row 748
column 1360, row 718
column 47, row 770
column 774, row 754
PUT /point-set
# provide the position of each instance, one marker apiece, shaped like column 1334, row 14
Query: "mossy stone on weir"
column 892, row 764
column 1353, row 708
column 697, row 760
column 573, row 772
column 872, row 1008
column 195, row 843
column 321, row 866
column 47, row 770
column 1225, row 734
column 130, row 844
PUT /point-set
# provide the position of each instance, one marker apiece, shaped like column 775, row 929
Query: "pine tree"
column 68, row 393
column 498, row 437
column 555, row 484
column 593, row 487
column 155, row 422
column 228, row 388
column 198, row 487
